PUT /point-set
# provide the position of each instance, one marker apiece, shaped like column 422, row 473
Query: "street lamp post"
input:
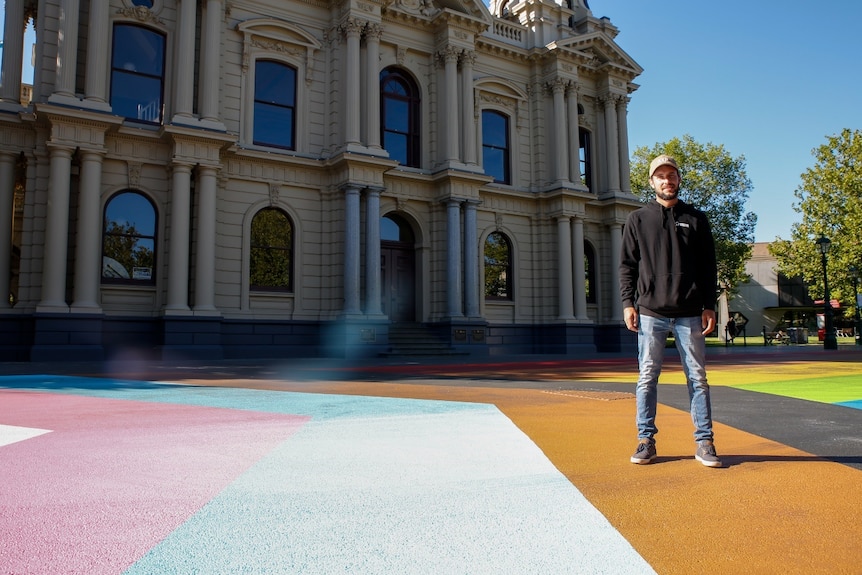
column 854, row 272
column 829, row 339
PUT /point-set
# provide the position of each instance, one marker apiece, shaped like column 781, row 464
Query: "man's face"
column 665, row 182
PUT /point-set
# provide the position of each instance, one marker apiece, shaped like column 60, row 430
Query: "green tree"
column 715, row 182
column 497, row 266
column 830, row 202
column 271, row 250
column 124, row 244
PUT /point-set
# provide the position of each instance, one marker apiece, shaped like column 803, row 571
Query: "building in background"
column 311, row 178
column 773, row 302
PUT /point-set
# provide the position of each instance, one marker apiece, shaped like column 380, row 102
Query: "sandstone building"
column 262, row 178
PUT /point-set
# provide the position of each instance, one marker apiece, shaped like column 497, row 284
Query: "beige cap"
column 663, row 160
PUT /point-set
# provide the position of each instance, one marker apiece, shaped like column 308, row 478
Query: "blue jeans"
column 690, row 341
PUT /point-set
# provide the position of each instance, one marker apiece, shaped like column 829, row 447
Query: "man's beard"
column 667, row 196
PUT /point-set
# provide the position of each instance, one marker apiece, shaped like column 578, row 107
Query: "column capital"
column 557, row 85
column 352, row 27
column 373, row 31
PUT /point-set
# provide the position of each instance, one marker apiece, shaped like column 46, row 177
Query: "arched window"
column 271, row 257
column 129, row 239
column 138, row 73
column 400, row 117
column 274, row 104
column 590, row 272
column 495, row 146
column 498, row 267
column 585, row 155
column 393, row 228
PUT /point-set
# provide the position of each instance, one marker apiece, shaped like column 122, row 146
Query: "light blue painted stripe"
column 857, row 404
column 316, row 405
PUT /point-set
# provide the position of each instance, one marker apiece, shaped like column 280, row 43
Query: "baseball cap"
column 662, row 160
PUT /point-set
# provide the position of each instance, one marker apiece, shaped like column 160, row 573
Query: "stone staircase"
column 415, row 339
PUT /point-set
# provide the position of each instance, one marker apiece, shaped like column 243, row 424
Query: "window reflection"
column 271, row 258
column 495, row 146
column 129, row 239
column 274, row 104
column 498, row 267
column 137, row 73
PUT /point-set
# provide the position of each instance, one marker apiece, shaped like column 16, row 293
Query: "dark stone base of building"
column 96, row 337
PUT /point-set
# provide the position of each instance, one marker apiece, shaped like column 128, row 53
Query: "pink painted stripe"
column 115, row 477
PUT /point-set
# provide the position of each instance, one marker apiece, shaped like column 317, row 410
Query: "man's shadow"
column 854, row 461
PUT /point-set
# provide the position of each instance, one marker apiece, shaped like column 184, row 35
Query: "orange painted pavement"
column 771, row 509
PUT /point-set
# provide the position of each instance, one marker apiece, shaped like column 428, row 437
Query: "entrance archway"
column 397, row 268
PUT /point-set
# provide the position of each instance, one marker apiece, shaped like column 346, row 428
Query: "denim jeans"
column 690, row 341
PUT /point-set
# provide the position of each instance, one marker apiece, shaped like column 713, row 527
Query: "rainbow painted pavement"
column 513, row 467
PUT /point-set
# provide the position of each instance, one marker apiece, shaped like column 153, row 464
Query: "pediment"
column 431, row 8
column 278, row 31
column 600, row 49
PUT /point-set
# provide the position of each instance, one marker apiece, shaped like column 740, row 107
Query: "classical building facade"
column 250, row 178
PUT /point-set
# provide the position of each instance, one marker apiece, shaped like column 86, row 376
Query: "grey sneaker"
column 645, row 452
column 706, row 454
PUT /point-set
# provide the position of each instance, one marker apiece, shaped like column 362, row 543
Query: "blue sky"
column 769, row 80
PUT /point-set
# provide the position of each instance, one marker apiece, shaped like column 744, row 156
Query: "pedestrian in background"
column 668, row 280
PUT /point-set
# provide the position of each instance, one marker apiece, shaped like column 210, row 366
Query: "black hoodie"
column 667, row 264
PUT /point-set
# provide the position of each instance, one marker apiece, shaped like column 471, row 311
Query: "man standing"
column 668, row 283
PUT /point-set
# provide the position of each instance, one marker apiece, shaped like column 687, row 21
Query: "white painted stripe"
column 10, row 434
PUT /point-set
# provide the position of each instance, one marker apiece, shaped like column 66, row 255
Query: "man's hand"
column 630, row 315
column 707, row 320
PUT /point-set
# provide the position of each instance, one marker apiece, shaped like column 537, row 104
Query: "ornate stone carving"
column 134, row 170
column 141, row 14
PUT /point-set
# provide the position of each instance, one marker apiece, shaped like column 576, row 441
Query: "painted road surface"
column 106, row 477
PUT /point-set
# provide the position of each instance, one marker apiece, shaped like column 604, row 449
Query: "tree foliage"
column 124, row 244
column 715, row 182
column 830, row 202
column 271, row 250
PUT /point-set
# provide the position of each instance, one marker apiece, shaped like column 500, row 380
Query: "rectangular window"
column 495, row 146
column 274, row 105
column 137, row 73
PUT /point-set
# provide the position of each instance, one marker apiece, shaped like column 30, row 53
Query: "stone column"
column 13, row 53
column 88, row 264
column 56, row 231
column 372, row 253
column 612, row 150
column 95, row 90
column 372, row 86
column 450, row 99
column 564, row 264
column 353, row 98
column 211, row 55
column 178, row 252
column 206, row 240
column 574, row 133
column 580, row 269
column 471, row 259
column 561, row 148
column 351, row 250
column 185, row 54
column 453, row 258
column 622, row 123
column 7, row 209
column 468, row 109
column 616, row 231
column 67, row 48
